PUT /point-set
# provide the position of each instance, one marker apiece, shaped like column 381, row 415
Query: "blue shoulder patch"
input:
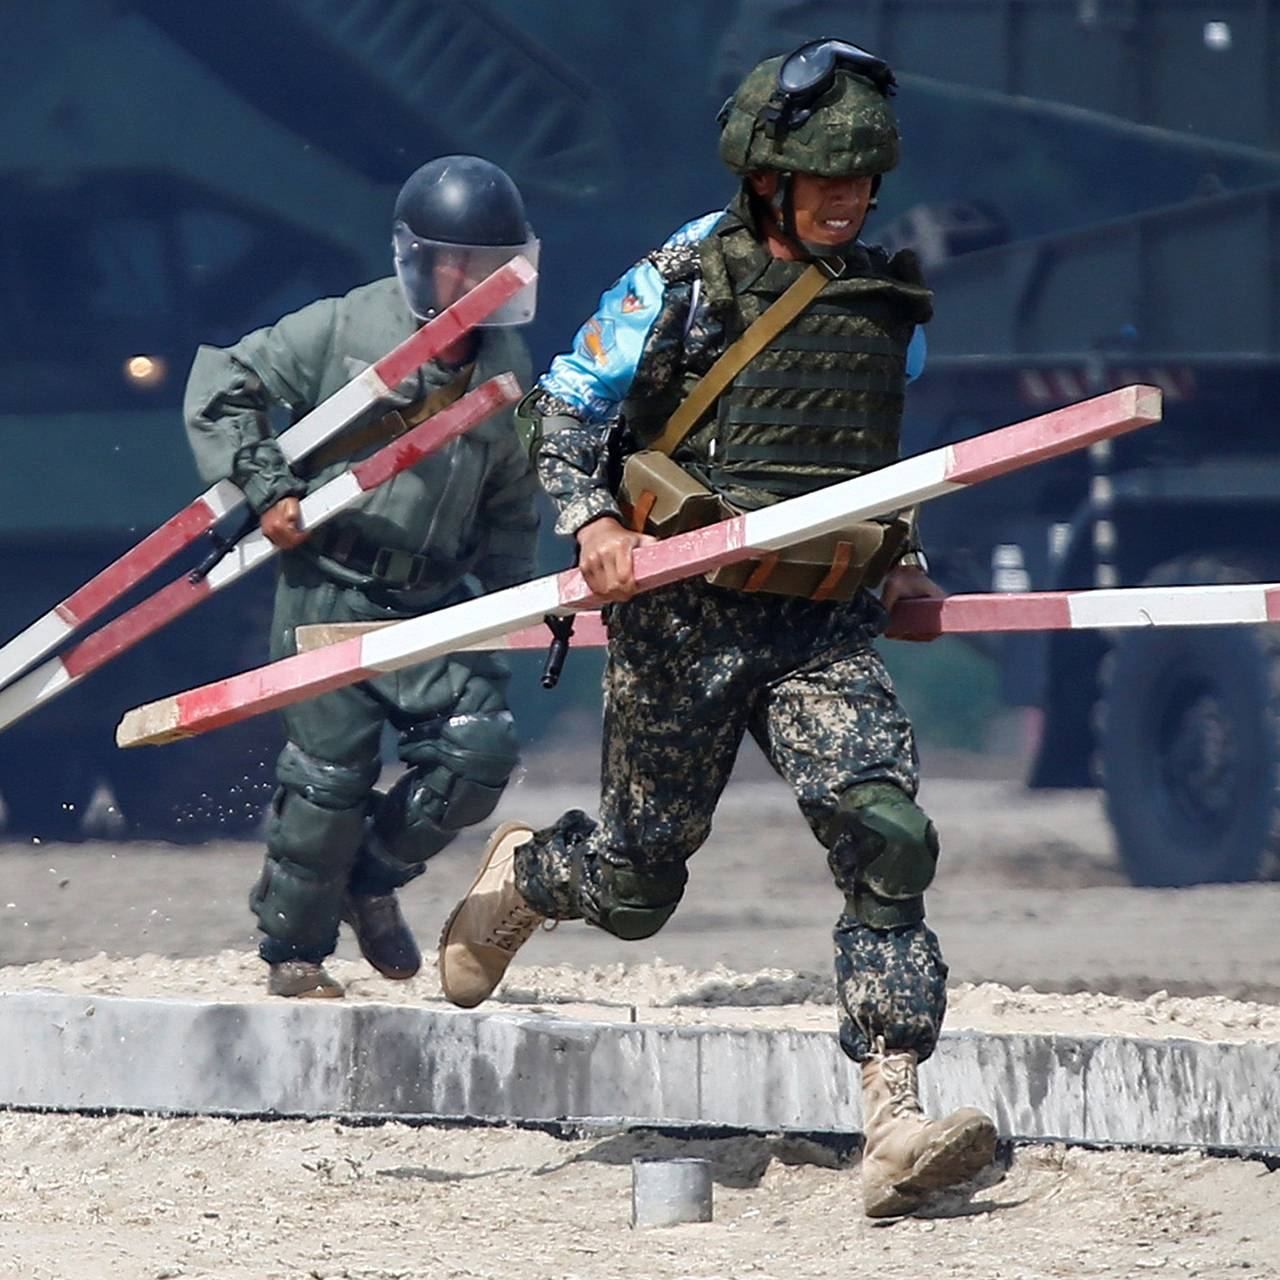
column 596, row 374
column 917, row 350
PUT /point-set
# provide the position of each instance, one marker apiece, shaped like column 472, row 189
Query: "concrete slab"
column 84, row 1052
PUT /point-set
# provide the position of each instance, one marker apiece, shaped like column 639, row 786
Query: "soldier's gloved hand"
column 604, row 557
column 280, row 524
column 908, row 582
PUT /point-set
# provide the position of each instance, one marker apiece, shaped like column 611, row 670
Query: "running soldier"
column 696, row 375
column 337, row 849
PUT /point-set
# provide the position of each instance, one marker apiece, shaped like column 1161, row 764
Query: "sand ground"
column 1028, row 893
column 135, row 1198
column 1029, row 896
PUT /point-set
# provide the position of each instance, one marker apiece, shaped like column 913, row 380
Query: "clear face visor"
column 433, row 275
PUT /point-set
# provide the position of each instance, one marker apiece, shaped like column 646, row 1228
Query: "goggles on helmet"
column 434, row 273
column 810, row 71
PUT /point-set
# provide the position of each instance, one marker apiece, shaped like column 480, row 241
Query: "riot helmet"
column 458, row 219
column 822, row 109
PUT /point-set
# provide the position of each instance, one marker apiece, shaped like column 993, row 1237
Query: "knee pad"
column 324, row 782
column 317, row 816
column 458, row 769
column 636, row 902
column 885, row 855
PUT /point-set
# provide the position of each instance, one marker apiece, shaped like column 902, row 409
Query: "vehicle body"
column 1094, row 188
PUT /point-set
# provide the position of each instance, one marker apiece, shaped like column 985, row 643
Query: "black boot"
column 384, row 938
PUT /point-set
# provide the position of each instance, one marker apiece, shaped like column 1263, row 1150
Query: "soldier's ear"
column 764, row 183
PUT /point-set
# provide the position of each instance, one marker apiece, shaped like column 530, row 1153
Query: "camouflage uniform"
column 693, row 666
column 466, row 511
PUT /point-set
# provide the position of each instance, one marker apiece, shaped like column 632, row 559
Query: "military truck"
column 1094, row 187
column 177, row 173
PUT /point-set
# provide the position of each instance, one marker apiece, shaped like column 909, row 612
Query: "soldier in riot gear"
column 461, row 520
column 781, row 647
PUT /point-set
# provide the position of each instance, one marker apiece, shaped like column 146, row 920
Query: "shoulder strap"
column 736, row 357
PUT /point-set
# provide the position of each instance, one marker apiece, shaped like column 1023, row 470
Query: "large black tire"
column 1190, row 742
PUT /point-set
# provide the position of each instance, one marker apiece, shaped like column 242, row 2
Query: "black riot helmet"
column 457, row 220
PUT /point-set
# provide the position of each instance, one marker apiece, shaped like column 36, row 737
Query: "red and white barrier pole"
column 59, row 674
column 322, row 423
column 475, row 622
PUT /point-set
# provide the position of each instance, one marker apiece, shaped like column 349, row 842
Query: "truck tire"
column 1190, row 742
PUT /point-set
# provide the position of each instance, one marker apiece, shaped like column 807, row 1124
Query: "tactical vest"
column 823, row 402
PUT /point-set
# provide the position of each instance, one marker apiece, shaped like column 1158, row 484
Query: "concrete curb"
column 68, row 1052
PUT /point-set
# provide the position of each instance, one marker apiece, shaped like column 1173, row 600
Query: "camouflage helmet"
column 851, row 132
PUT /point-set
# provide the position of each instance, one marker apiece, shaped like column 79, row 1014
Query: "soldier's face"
column 827, row 210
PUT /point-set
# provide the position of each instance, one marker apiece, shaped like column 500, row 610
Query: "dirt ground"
column 1028, row 893
column 135, row 1198
column 1029, row 896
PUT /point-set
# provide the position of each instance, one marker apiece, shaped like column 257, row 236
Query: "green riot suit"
column 462, row 517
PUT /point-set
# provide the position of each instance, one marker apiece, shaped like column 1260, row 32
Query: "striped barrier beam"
column 59, row 674
column 742, row 537
column 360, row 394
column 1217, row 605
column 588, row 633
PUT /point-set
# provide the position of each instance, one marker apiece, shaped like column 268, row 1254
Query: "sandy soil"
column 142, row 1199
column 1029, row 896
column 1028, row 893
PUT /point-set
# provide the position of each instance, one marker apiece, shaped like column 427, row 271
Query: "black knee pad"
column 459, row 767
column 885, row 855
column 326, row 783
column 635, row 903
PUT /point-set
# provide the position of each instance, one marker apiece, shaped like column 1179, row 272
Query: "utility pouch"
column 660, row 497
column 833, row 566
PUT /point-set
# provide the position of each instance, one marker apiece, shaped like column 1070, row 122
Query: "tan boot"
column 906, row 1156
column 489, row 925
column 302, row 978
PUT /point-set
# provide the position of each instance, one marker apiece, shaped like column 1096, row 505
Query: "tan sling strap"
column 740, row 354
column 386, row 428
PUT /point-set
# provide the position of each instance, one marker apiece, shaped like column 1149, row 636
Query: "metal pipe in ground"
column 665, row 1193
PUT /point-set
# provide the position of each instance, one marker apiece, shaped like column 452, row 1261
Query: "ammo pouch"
column 660, row 497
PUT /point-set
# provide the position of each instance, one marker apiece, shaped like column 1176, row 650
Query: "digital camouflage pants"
column 691, row 669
